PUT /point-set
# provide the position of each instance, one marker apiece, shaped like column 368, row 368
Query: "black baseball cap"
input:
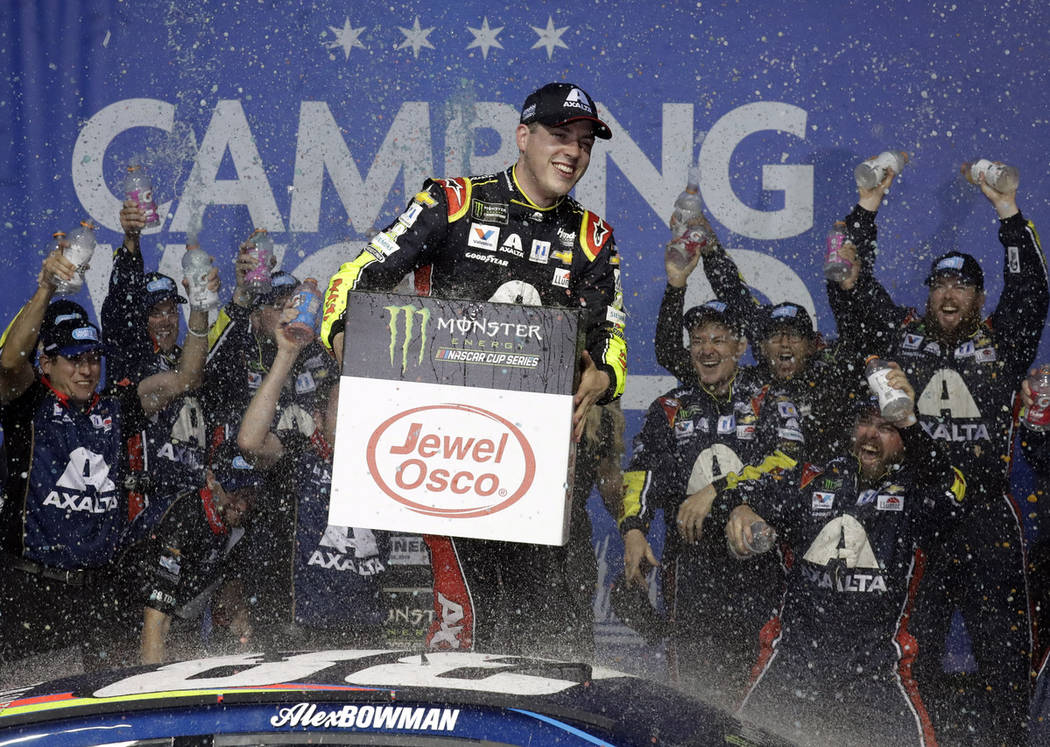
column 559, row 103
column 282, row 284
column 788, row 316
column 959, row 264
column 63, row 310
column 712, row 311
column 70, row 337
column 160, row 288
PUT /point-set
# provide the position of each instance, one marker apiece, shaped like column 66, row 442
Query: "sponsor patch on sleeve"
column 412, row 212
column 617, row 317
column 384, row 244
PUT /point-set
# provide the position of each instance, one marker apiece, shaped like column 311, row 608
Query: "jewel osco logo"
column 451, row 460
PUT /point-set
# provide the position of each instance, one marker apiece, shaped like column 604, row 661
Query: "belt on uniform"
column 82, row 577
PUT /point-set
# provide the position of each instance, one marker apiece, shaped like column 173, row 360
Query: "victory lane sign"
column 455, row 418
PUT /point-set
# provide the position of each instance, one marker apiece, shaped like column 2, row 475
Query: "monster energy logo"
column 411, row 314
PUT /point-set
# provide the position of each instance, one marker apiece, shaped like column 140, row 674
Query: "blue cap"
column 232, row 471
column 282, row 285
column 70, row 337
column 160, row 288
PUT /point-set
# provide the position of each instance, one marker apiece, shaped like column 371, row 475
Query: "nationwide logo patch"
column 408, row 217
column 483, row 237
column 540, row 251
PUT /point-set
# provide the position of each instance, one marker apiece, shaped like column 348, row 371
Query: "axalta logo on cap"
column 451, row 460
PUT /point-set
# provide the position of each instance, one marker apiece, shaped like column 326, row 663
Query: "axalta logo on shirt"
column 84, row 485
column 348, row 550
column 483, row 237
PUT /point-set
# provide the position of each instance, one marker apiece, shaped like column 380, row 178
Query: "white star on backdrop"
column 550, row 37
column 416, row 38
column 346, row 38
column 485, row 37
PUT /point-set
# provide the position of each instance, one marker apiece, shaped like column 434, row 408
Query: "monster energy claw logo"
column 411, row 314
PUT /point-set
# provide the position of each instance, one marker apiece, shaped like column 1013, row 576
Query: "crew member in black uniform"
column 65, row 511
column 179, row 553
column 967, row 370
column 839, row 668
column 140, row 327
column 242, row 347
column 790, row 354
column 513, row 237
column 1035, row 444
column 726, row 424
column 323, row 586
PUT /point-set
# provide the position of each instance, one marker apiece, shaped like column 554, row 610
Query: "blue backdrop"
column 315, row 119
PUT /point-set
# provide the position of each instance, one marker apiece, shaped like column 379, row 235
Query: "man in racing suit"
column 839, row 669
column 694, row 435
column 966, row 371
column 512, row 237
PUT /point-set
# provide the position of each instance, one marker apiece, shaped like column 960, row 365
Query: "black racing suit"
column 820, row 391
column 717, row 605
column 482, row 238
column 838, row 670
column 966, row 399
column 167, row 454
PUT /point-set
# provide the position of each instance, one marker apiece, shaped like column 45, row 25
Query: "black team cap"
column 560, row 103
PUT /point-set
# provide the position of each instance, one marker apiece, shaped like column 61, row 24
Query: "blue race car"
column 356, row 697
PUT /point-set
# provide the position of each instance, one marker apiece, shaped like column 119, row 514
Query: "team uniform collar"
column 526, row 200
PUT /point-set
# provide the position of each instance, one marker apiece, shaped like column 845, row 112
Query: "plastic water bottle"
column 871, row 172
column 836, row 267
column 307, row 303
column 138, row 187
column 998, row 176
column 196, row 266
column 257, row 280
column 688, row 233
column 1037, row 417
column 893, row 403
column 81, row 248
column 763, row 537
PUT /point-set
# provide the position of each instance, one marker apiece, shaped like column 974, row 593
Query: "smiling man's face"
column 552, row 159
